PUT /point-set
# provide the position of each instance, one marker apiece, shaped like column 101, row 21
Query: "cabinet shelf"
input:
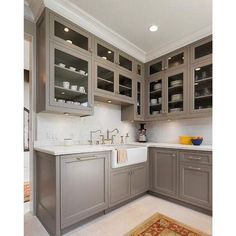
column 203, row 80
column 105, row 80
column 175, row 87
column 70, row 91
column 125, row 87
column 156, row 91
column 177, row 101
column 204, row 96
column 67, row 73
column 154, row 105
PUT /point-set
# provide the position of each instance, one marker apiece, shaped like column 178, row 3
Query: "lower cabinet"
column 196, row 184
column 163, row 169
column 127, row 182
column 182, row 175
column 84, row 187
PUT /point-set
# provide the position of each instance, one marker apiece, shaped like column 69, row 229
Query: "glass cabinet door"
column 125, row 62
column 176, row 93
column 176, row 59
column 139, row 98
column 156, row 102
column 125, row 86
column 201, row 50
column 105, row 78
column 69, row 34
column 71, row 74
column 105, row 53
column 202, row 89
column 155, row 67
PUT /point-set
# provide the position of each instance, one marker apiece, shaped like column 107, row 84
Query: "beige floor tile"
column 125, row 218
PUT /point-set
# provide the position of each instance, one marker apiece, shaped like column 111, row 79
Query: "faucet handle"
column 112, row 139
column 103, row 138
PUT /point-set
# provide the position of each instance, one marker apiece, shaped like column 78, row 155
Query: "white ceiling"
column 180, row 22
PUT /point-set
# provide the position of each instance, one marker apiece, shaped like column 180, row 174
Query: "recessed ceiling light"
column 69, row 41
column 109, row 52
column 109, row 101
column 198, row 69
column 66, row 29
column 153, row 28
column 104, row 58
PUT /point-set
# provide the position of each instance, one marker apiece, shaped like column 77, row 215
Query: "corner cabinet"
column 64, row 73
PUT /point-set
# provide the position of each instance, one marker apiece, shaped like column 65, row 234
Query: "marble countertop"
column 76, row 149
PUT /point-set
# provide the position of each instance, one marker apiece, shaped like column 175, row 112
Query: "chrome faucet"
column 91, row 135
column 112, row 137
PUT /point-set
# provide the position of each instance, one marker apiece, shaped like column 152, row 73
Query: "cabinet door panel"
column 139, row 180
column 155, row 67
column 83, row 187
column 69, row 34
column 195, row 184
column 164, row 172
column 126, row 86
column 119, row 186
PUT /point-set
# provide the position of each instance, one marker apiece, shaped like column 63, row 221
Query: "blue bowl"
column 197, row 141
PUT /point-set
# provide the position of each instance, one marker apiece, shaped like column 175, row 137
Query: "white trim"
column 173, row 45
column 73, row 13
column 86, row 21
column 28, row 15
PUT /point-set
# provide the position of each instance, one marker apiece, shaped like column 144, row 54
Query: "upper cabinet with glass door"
column 155, row 67
column 70, row 34
column 125, row 62
column 201, row 87
column 176, row 92
column 70, row 79
column 201, row 50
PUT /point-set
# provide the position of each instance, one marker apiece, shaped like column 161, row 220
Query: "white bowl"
column 153, row 101
column 157, row 86
column 62, row 65
column 72, row 68
column 74, row 87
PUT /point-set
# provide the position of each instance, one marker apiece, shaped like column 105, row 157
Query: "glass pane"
column 125, row 86
column 105, row 79
column 105, row 53
column 203, row 87
column 139, row 69
column 155, row 68
column 203, row 50
column 176, row 60
column 71, row 79
column 126, row 63
column 175, row 93
column 155, row 97
column 138, row 98
column 70, row 36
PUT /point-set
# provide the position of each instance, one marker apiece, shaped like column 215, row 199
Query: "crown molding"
column 34, row 8
column 88, row 22
column 173, row 45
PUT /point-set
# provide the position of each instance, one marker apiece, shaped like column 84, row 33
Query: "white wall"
column 54, row 128
column 169, row 131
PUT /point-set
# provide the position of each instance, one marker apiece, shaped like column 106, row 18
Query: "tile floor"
column 122, row 220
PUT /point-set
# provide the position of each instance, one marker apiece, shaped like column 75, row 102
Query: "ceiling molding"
column 34, row 8
column 88, row 22
column 173, row 45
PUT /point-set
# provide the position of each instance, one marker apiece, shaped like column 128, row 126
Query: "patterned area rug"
column 160, row 225
column 26, row 191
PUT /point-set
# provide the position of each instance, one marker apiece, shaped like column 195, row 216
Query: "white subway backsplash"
column 169, row 131
column 54, row 128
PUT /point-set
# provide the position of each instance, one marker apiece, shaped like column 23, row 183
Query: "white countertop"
column 65, row 150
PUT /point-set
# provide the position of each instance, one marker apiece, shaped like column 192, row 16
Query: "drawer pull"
column 85, row 158
column 194, row 158
column 193, row 168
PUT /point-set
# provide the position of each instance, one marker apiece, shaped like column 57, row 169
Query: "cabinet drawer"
column 196, row 157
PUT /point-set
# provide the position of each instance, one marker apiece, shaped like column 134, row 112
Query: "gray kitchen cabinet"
column 139, row 180
column 64, row 72
column 84, row 187
column 135, row 112
column 69, row 34
column 154, row 67
column 128, row 182
column 125, row 62
column 201, row 50
column 112, row 84
column 70, row 188
column 119, row 186
column 163, row 171
column 201, row 87
column 195, row 185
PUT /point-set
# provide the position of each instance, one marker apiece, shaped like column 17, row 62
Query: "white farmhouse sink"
column 136, row 154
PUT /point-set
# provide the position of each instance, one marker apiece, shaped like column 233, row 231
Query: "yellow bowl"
column 187, row 140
